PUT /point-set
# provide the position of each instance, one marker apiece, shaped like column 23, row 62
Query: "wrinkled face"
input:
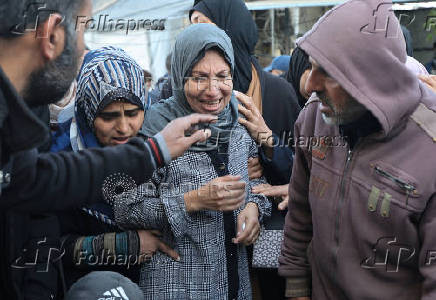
column 303, row 80
column 117, row 123
column 337, row 106
column 199, row 17
column 209, row 88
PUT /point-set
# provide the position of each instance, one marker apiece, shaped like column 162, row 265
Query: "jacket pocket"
column 398, row 187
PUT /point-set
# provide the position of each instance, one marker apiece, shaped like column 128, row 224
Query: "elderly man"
column 362, row 208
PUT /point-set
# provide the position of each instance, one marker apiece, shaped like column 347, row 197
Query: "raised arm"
column 48, row 182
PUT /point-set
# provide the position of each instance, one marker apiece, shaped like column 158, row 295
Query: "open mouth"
column 120, row 140
column 209, row 105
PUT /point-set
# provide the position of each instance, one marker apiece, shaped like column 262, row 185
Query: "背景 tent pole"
column 271, row 13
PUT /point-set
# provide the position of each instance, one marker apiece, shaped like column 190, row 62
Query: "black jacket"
column 38, row 183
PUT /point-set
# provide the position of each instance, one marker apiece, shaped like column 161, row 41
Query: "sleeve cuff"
column 178, row 217
column 163, row 148
column 263, row 205
column 300, row 287
column 159, row 150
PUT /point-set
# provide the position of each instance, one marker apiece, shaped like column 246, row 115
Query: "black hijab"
column 298, row 64
column 235, row 19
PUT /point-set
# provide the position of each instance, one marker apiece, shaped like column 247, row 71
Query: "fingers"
column 156, row 233
column 198, row 136
column 231, row 203
column 168, row 251
column 188, row 121
column 430, row 80
column 284, row 204
column 229, row 178
column 271, row 191
column 257, row 189
column 174, row 133
column 241, row 229
column 253, row 161
column 254, row 234
column 246, row 112
column 255, row 169
column 250, row 216
column 250, row 232
column 250, row 126
column 255, row 172
column 236, row 185
column 424, row 78
column 228, row 182
column 245, row 100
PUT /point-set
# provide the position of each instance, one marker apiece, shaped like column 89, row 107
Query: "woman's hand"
column 274, row 191
column 429, row 80
column 149, row 241
column 248, row 225
column 254, row 121
column 224, row 193
column 255, row 169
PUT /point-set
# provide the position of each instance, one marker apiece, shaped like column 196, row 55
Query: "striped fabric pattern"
column 104, row 72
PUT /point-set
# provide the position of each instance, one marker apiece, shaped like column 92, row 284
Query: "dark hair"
column 147, row 75
column 19, row 16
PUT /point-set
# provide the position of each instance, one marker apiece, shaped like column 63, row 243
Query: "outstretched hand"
column 150, row 242
column 253, row 121
column 174, row 133
column 429, row 80
column 274, row 191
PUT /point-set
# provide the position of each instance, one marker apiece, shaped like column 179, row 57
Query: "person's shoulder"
column 425, row 115
column 274, row 81
column 310, row 113
column 61, row 137
column 279, row 89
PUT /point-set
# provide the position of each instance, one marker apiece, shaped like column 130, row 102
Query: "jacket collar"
column 21, row 129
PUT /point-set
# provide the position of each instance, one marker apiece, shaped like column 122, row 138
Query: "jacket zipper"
column 341, row 201
column 402, row 184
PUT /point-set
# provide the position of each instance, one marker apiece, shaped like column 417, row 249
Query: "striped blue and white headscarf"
column 109, row 74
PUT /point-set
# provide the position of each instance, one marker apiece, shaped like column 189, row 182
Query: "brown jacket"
column 362, row 224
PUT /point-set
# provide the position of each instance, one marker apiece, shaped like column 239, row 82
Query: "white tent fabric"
column 133, row 20
column 151, row 47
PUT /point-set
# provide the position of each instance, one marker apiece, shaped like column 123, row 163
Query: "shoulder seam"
column 425, row 118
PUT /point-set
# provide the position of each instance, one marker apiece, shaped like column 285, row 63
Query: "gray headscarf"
column 190, row 47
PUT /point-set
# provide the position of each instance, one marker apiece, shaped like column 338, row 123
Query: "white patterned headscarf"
column 107, row 75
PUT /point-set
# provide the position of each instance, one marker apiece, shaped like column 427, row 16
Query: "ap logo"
column 382, row 22
column 32, row 14
column 388, row 254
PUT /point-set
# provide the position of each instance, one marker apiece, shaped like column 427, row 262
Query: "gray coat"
column 198, row 237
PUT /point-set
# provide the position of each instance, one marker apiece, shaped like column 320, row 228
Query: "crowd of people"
column 111, row 189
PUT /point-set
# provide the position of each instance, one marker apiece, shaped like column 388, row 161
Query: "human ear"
column 51, row 37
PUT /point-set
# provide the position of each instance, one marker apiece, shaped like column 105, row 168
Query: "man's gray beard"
column 354, row 111
column 49, row 84
column 329, row 120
